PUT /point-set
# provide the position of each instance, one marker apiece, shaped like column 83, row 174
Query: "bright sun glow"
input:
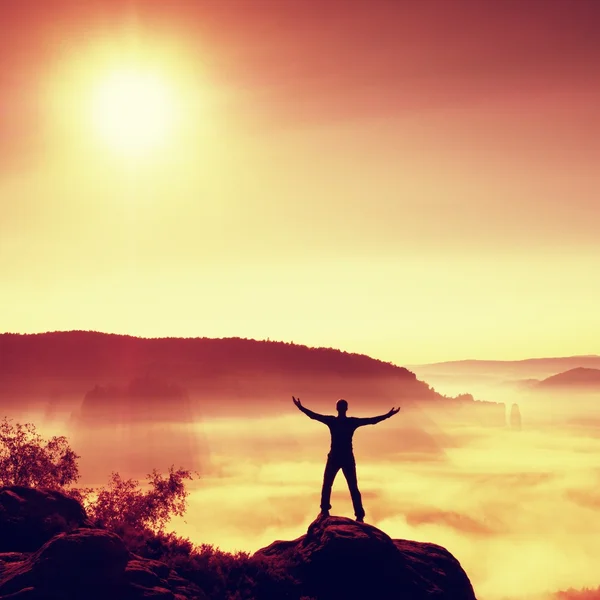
column 133, row 111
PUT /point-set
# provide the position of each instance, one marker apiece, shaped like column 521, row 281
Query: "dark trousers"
column 348, row 466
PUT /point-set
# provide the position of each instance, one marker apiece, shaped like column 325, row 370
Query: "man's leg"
column 349, row 470
column 331, row 469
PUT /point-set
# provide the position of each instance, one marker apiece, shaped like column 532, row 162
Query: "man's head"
column 342, row 406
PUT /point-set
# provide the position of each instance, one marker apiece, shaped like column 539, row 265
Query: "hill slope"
column 574, row 378
column 527, row 368
column 81, row 353
column 227, row 366
column 220, row 375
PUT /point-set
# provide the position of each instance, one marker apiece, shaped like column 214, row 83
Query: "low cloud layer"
column 517, row 508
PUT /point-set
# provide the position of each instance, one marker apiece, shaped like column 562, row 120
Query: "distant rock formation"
column 465, row 409
column 49, row 550
column 148, row 423
column 340, row 558
column 515, row 417
column 142, row 399
column 522, row 384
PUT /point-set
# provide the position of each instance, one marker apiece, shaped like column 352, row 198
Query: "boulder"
column 90, row 563
column 340, row 558
column 68, row 564
column 30, row 517
column 50, row 551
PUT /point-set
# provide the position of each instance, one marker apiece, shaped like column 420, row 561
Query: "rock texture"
column 340, row 558
column 50, row 551
column 30, row 517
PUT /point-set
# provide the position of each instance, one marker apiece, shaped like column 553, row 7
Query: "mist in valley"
column 516, row 506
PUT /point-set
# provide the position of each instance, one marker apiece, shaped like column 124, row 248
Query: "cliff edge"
column 49, row 550
column 340, row 558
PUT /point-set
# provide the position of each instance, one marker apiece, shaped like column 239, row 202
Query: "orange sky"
column 415, row 181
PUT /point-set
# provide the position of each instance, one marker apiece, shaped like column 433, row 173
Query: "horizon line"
column 275, row 341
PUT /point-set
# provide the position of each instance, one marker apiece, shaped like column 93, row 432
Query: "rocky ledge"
column 341, row 559
column 49, row 550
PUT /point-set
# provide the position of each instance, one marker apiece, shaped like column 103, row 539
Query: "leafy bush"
column 222, row 575
column 139, row 517
column 28, row 459
column 124, row 504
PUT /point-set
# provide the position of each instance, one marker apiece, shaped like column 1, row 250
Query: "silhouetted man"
column 340, row 455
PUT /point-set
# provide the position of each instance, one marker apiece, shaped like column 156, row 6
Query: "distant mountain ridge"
column 574, row 378
column 526, row 368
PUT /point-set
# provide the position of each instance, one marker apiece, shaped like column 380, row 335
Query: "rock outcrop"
column 50, row 551
column 30, row 517
column 515, row 417
column 340, row 558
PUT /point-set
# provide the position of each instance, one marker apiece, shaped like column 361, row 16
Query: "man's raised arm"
column 374, row 420
column 309, row 413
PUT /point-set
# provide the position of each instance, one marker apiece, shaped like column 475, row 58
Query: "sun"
column 133, row 111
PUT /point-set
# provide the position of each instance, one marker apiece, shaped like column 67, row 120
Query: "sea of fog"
column 518, row 509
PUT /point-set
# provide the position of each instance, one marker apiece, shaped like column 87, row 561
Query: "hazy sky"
column 417, row 181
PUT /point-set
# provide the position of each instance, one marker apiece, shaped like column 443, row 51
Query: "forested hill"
column 220, row 375
column 75, row 353
column 573, row 379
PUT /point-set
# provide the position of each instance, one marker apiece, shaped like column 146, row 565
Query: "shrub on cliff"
column 124, row 504
column 27, row 459
column 222, row 575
